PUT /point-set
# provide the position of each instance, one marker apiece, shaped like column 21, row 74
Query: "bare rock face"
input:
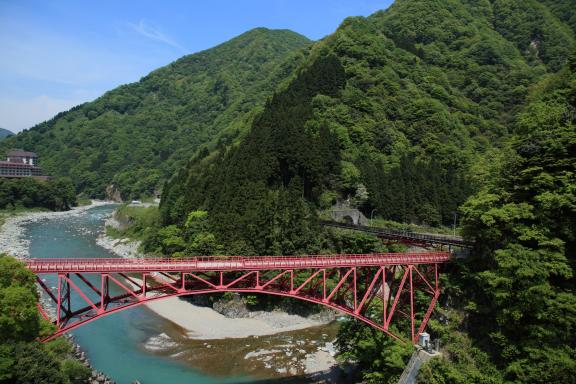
column 235, row 308
column 113, row 193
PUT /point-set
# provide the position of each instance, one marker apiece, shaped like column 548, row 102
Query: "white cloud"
column 152, row 32
column 17, row 115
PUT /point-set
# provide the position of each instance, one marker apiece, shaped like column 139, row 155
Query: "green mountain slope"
column 137, row 134
column 534, row 30
column 5, row 133
column 564, row 10
column 523, row 222
column 397, row 111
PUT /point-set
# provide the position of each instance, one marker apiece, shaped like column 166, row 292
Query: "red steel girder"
column 371, row 288
column 229, row 263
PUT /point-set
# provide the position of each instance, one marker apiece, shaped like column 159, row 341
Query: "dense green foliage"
column 22, row 359
column 518, row 288
column 381, row 359
column 461, row 361
column 537, row 35
column 136, row 222
column 54, row 194
column 564, row 10
column 524, row 224
column 398, row 111
column 136, row 135
column 271, row 177
column 18, row 313
column 143, row 223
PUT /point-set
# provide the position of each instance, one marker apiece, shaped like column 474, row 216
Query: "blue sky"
column 57, row 54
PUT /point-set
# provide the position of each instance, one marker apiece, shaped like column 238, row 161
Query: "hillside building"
column 21, row 163
column 20, row 156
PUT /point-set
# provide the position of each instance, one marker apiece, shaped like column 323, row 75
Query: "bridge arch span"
column 380, row 289
column 121, row 308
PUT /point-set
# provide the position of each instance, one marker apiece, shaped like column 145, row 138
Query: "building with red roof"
column 21, row 163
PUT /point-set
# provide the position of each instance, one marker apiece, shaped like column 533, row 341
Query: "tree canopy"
column 56, row 194
column 24, row 360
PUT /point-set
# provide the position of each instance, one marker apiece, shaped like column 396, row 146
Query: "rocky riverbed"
column 125, row 248
column 13, row 239
column 307, row 354
column 96, row 377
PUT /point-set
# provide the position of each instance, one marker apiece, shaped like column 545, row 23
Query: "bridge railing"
column 220, row 262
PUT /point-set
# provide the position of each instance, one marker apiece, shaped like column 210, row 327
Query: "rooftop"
column 21, row 153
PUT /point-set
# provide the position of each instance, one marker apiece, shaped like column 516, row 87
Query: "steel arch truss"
column 396, row 299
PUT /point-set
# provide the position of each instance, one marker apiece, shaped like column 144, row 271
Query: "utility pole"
column 455, row 216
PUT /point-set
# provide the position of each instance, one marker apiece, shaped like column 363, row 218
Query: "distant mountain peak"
column 5, row 133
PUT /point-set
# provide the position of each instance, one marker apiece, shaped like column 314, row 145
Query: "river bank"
column 205, row 323
column 123, row 247
column 12, row 237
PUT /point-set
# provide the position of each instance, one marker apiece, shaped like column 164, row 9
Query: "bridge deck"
column 404, row 235
column 224, row 263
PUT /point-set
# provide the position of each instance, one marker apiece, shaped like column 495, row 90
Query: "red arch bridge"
column 393, row 292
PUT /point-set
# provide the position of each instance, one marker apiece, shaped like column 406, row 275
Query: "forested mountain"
column 426, row 110
column 5, row 133
column 564, row 10
column 135, row 136
column 429, row 109
column 518, row 286
column 402, row 111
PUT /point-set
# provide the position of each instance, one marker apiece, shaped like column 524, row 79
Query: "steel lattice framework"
column 393, row 292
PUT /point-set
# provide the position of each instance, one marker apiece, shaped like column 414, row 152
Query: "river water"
column 125, row 345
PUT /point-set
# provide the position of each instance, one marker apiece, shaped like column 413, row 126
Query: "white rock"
column 160, row 342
